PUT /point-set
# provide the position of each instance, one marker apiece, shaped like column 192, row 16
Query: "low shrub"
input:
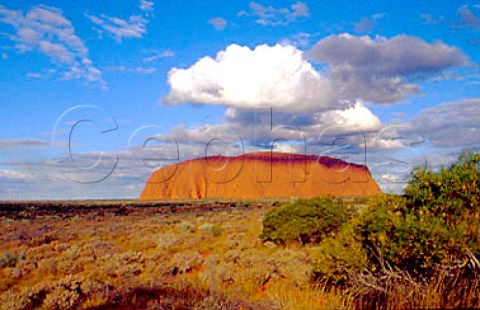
column 11, row 259
column 185, row 226
column 339, row 256
column 304, row 221
column 214, row 230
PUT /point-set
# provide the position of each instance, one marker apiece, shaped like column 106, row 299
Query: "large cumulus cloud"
column 375, row 70
column 275, row 76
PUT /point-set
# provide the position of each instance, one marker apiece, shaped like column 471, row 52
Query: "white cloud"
column 23, row 142
column 115, row 68
column 12, row 176
column 392, row 183
column 390, row 177
column 271, row 16
column 133, row 27
column 356, row 118
column 300, row 9
column 34, row 75
column 154, row 55
column 428, row 19
column 285, row 148
column 301, row 39
column 274, row 76
column 56, row 51
column 367, row 24
column 218, row 23
column 46, row 30
column 137, row 69
column 259, row 128
column 468, row 17
column 144, row 70
column 385, row 144
column 146, row 5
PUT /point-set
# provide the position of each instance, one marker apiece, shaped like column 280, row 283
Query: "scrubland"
column 183, row 261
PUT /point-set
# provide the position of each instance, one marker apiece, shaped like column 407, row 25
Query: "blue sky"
column 399, row 79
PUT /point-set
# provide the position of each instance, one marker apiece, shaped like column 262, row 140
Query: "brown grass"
column 203, row 260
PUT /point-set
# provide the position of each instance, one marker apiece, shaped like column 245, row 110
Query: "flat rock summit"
column 260, row 175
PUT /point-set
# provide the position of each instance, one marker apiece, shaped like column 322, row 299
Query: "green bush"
column 435, row 223
column 339, row 255
column 433, row 226
column 453, row 191
column 304, row 221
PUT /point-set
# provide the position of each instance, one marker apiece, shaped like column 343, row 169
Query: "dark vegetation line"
column 32, row 209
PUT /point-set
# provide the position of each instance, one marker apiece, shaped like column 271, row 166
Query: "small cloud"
column 356, row 118
column 475, row 41
column 271, row 16
column 115, row 68
column 167, row 54
column 146, row 5
column 301, row 39
column 390, row 177
column 243, row 13
column 131, row 187
column 43, row 74
column 218, row 23
column 468, row 18
column 367, row 24
column 50, row 133
column 137, row 69
column 4, row 56
column 154, row 55
column 133, row 27
column 300, row 9
column 285, row 148
column 379, row 15
column 23, row 142
column 56, row 51
column 430, row 20
column 145, row 70
column 8, row 176
column 34, row 75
